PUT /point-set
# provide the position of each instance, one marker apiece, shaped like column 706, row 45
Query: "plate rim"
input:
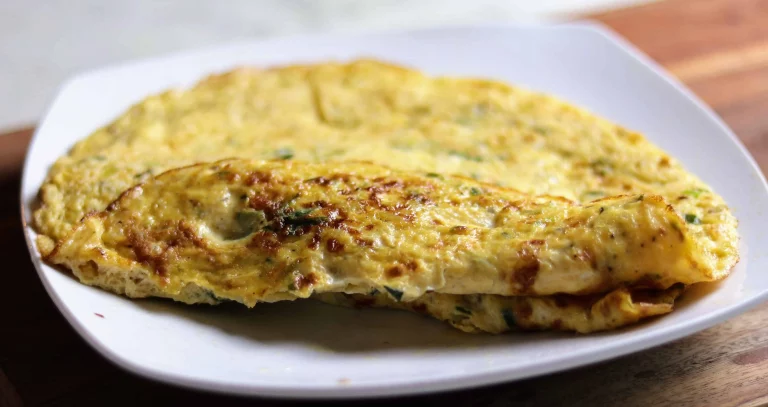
column 488, row 376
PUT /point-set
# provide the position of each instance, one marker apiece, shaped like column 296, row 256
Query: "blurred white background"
column 42, row 42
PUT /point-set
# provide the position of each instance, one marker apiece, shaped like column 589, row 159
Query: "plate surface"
column 307, row 349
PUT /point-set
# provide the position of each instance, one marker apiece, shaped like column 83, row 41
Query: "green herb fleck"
column 474, row 191
column 284, row 153
column 463, row 310
column 543, row 130
column 212, row 296
column 695, row 192
column 593, row 194
column 600, row 166
column 109, row 170
column 223, row 174
column 99, row 157
column 300, row 218
column 397, row 294
column 509, row 318
column 465, row 156
column 292, row 286
column 692, row 219
column 301, row 213
column 434, row 175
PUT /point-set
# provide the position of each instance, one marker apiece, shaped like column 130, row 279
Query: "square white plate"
column 306, row 349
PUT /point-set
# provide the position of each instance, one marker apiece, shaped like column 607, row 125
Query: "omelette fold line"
column 253, row 231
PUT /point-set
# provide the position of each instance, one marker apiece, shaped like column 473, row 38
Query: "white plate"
column 306, row 349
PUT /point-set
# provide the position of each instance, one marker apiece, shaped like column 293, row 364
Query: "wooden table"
column 718, row 47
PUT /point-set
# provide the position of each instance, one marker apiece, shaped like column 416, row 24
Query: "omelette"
column 480, row 197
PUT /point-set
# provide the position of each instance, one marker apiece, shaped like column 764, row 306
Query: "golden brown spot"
column 363, row 242
column 233, row 177
column 314, row 242
column 459, row 230
column 266, row 204
column 664, row 162
column 258, row 177
column 334, row 246
column 527, row 270
column 419, row 199
column 265, row 241
column 573, row 223
column 395, row 271
column 301, row 281
column 142, row 251
column 536, row 242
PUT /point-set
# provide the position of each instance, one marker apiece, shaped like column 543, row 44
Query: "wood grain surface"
column 718, row 47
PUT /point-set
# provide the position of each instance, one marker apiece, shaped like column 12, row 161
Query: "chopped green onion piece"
column 397, row 294
column 692, row 219
column 463, row 310
column 284, row 153
column 694, row 192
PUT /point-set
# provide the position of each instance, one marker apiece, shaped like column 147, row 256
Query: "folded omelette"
column 367, row 184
